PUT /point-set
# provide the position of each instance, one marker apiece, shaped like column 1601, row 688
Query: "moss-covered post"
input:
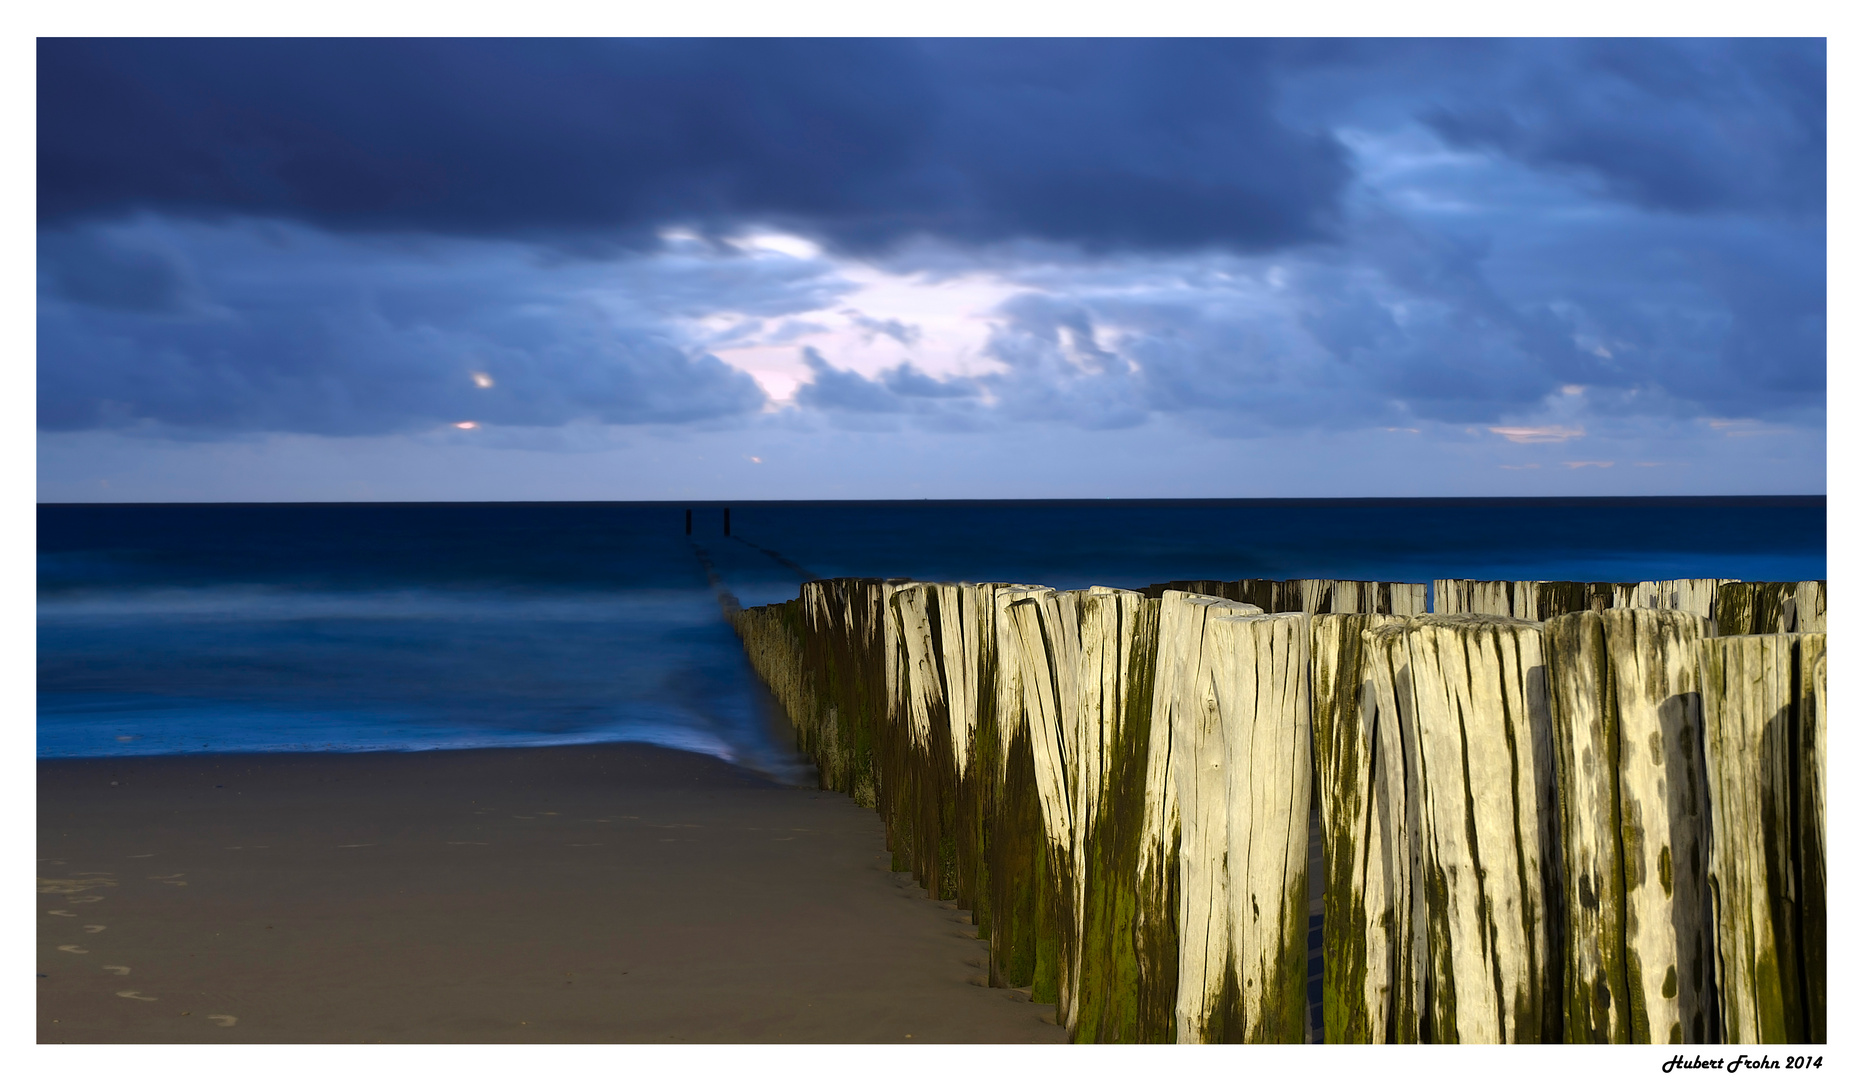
column 1118, row 653
column 1489, row 841
column 1024, row 937
column 1655, row 658
column 1811, row 759
column 1048, row 646
column 1755, row 607
column 1168, row 880
column 1244, row 769
column 1398, row 809
column 1355, row 945
column 1747, row 699
column 1625, row 691
column 1585, row 724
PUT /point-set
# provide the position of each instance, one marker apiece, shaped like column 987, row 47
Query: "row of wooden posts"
column 1551, row 811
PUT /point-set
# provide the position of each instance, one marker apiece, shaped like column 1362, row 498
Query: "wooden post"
column 1808, row 608
column 1747, row 704
column 1507, row 599
column 1242, row 755
column 1668, row 935
column 1357, row 954
column 1811, row 759
column 1118, row 655
column 1397, row 917
column 1025, row 932
column 1180, row 670
column 1585, row 720
column 1490, row 862
column 1624, row 686
column 1755, row 607
column 1693, row 595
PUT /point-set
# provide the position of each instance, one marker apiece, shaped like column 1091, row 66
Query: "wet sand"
column 568, row 894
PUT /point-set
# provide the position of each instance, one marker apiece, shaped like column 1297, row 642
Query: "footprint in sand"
column 134, row 995
column 223, row 1019
column 72, row 949
column 116, row 969
column 94, row 929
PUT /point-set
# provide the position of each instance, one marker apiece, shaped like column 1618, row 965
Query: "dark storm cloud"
column 1109, row 144
column 1688, row 127
column 1253, row 237
column 898, row 394
column 292, row 330
column 1695, row 126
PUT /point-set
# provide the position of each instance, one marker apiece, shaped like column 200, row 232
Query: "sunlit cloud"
column 466, row 425
column 481, row 380
column 1550, row 434
column 1588, row 464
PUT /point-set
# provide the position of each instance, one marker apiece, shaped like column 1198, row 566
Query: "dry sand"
column 567, row 894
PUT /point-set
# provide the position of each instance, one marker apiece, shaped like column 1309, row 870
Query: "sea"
column 268, row 627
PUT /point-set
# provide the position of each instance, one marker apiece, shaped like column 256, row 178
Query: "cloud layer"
column 1525, row 244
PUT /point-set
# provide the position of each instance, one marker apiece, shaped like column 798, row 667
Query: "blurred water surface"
column 218, row 627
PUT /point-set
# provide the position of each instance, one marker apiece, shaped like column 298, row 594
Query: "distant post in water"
column 688, row 523
column 727, row 521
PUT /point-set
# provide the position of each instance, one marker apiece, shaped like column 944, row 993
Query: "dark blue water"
column 175, row 629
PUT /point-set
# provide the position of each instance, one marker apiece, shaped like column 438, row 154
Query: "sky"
column 300, row 269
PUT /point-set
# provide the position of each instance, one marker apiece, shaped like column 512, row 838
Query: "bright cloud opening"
column 1551, row 433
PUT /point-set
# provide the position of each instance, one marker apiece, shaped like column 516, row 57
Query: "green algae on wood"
column 1356, row 990
column 1747, row 706
column 1582, row 702
column 1811, row 667
column 1625, row 694
column 1490, row 861
column 1402, row 916
column 1242, row 757
column 1655, row 658
column 1118, row 656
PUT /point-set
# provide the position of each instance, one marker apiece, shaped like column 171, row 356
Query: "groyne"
column 1547, row 811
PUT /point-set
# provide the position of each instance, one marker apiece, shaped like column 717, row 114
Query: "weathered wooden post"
column 1347, row 772
column 1755, row 607
column 1811, row 764
column 1693, row 595
column 1242, row 755
column 1179, row 669
column 1808, row 608
column 1118, row 656
column 1489, row 831
column 1024, row 930
column 1668, row 936
column 1624, row 687
column 1747, row 699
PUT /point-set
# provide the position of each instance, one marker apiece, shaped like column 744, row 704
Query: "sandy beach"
column 612, row 893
